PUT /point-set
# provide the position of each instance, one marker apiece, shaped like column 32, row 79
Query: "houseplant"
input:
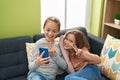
column 117, row 18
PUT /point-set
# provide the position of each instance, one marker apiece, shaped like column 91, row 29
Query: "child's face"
column 69, row 41
column 51, row 30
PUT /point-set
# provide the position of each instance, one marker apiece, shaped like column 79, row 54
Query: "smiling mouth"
column 49, row 36
column 66, row 46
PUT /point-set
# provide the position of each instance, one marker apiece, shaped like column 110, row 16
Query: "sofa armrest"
column 96, row 44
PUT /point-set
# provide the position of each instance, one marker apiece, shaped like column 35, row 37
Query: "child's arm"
column 86, row 55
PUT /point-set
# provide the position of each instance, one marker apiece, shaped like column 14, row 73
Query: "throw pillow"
column 110, row 58
column 29, row 50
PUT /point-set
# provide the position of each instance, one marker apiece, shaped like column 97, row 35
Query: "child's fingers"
column 79, row 52
column 46, row 60
column 50, row 44
column 41, row 54
column 75, row 47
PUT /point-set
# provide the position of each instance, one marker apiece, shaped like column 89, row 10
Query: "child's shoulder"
column 59, row 38
column 41, row 40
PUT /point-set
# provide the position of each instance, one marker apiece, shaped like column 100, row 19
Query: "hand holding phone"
column 46, row 54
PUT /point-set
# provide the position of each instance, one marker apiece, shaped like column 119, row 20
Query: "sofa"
column 13, row 55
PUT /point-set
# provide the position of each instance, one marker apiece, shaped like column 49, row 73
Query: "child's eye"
column 54, row 31
column 48, row 30
column 69, row 40
column 66, row 39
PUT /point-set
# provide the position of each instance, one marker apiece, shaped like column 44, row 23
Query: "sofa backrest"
column 13, row 57
column 62, row 32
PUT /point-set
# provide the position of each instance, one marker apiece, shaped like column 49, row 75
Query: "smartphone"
column 46, row 54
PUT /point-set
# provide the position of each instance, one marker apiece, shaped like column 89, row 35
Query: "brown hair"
column 80, row 39
column 54, row 19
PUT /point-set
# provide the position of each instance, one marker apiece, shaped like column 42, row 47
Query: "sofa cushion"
column 29, row 50
column 96, row 44
column 19, row 78
column 110, row 58
column 13, row 58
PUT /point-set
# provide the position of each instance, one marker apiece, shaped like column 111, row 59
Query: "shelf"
column 112, row 25
column 111, row 7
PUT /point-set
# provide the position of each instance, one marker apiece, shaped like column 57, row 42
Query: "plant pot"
column 116, row 21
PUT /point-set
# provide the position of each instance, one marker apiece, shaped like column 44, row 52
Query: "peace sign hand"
column 51, row 50
column 77, row 50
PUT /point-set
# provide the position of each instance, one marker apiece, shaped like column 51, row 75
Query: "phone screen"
column 46, row 54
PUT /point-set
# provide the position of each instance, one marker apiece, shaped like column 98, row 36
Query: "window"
column 72, row 13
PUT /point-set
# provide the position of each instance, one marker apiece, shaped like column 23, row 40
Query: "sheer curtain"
column 72, row 13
